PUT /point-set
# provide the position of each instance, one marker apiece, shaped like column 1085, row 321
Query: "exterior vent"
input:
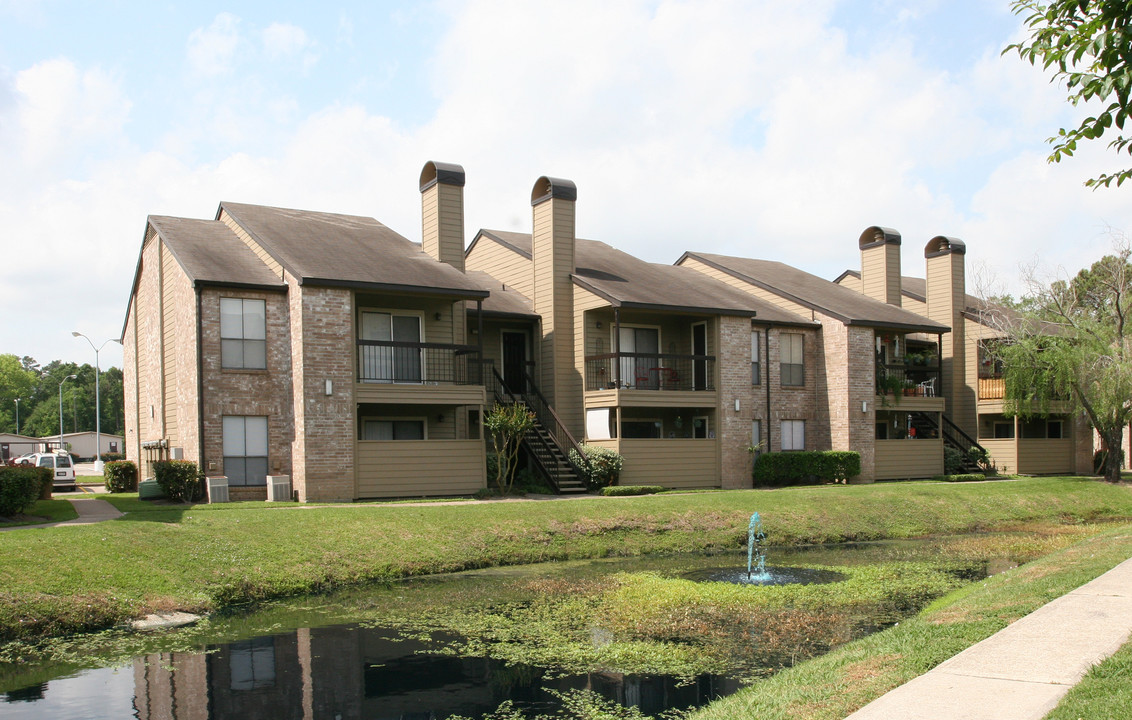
column 279, row 488
column 218, row 489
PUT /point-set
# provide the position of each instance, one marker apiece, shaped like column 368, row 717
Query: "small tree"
column 507, row 424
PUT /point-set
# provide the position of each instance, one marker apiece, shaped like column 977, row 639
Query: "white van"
column 61, row 463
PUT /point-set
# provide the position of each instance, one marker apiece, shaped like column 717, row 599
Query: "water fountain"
column 756, row 550
column 757, row 571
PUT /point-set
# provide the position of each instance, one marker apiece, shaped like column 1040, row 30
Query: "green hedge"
column 805, row 467
column 961, row 477
column 121, row 476
column 20, row 487
column 179, row 480
column 619, row 490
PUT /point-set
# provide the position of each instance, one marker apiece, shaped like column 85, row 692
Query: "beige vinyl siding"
column 672, row 463
column 413, row 468
column 552, row 246
column 503, row 264
column 251, row 243
column 586, row 331
column 419, row 394
column 1003, row 453
column 442, row 231
column 1046, row 456
column 747, row 287
column 908, row 459
column 853, row 283
column 880, row 273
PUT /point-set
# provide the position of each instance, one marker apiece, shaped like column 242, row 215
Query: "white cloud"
column 212, row 51
column 281, row 39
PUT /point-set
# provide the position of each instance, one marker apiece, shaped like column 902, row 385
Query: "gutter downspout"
column 200, row 387
column 767, row 337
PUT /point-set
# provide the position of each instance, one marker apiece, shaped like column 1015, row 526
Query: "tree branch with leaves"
column 507, row 424
column 1088, row 45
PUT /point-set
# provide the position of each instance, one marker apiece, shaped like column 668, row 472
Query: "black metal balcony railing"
column 387, row 361
column 650, row 371
column 903, row 379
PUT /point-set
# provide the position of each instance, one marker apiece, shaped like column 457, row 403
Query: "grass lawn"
column 1106, row 692
column 202, row 557
column 45, row 511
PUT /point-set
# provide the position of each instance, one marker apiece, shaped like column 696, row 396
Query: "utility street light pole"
column 97, row 405
column 17, row 416
column 69, row 377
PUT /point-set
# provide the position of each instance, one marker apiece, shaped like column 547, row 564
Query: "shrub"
column 603, row 466
column 620, row 490
column 20, row 487
column 952, row 460
column 121, row 476
column 806, row 467
column 960, row 477
column 111, row 457
column 179, row 480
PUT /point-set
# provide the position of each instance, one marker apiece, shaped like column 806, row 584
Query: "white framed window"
column 756, row 373
column 640, row 372
column 394, row 429
column 793, row 433
column 243, row 334
column 792, row 359
column 757, row 436
column 245, row 450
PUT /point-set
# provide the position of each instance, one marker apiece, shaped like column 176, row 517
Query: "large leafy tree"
column 1074, row 346
column 1088, row 45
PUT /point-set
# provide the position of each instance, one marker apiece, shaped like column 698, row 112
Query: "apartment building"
column 1058, row 442
column 325, row 348
column 329, row 350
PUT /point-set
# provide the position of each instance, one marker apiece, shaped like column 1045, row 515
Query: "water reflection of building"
column 341, row 673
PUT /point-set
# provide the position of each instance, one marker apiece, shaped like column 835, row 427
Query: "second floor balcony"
column 650, row 371
column 419, row 363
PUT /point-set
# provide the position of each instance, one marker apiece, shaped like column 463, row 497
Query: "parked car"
column 62, row 465
column 25, row 459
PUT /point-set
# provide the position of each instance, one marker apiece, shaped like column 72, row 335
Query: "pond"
column 636, row 631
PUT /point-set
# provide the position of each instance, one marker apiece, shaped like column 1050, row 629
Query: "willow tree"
column 1074, row 346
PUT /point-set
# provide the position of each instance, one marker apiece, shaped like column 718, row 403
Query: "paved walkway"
column 1022, row 671
column 90, row 510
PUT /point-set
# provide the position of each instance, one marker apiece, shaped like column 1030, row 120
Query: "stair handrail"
column 504, row 394
column 948, row 432
column 558, row 429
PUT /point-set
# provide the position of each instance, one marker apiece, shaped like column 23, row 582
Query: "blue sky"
column 746, row 128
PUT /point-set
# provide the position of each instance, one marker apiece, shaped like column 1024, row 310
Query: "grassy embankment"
column 204, row 557
column 834, row 685
column 45, row 511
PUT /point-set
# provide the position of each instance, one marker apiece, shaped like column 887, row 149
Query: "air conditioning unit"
column 218, row 489
column 279, row 488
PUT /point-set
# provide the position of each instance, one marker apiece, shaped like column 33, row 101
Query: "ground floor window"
column 793, row 433
column 245, row 450
column 1004, row 430
column 631, row 429
column 393, row 430
column 757, row 436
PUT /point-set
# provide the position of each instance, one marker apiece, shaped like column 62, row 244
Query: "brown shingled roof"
column 210, row 253
column 349, row 251
column 848, row 306
column 503, row 300
column 627, row 281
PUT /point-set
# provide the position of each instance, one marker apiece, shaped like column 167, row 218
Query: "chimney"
column 442, row 212
column 880, row 264
column 947, row 300
column 552, row 256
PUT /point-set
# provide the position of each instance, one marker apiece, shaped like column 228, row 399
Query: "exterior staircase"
column 954, row 437
column 547, row 442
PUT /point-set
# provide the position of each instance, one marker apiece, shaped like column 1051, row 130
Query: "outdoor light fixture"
column 97, row 405
column 69, row 377
column 437, row 316
column 736, row 404
column 864, row 406
column 329, row 387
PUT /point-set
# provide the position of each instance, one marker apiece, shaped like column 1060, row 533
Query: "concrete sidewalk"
column 1022, row 671
column 90, row 510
